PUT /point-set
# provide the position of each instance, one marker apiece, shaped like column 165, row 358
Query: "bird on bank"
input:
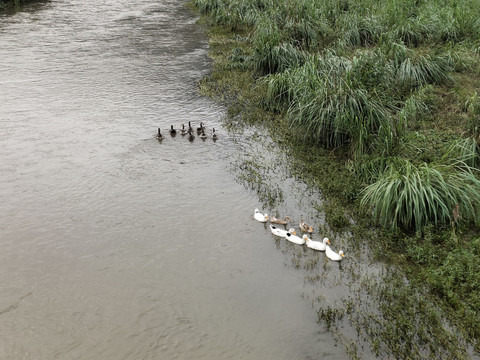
column 259, row 217
column 332, row 255
column 159, row 135
column 317, row 245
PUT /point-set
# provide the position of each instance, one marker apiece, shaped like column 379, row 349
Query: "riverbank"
column 5, row 4
column 431, row 122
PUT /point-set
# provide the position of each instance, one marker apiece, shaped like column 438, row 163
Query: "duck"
column 214, row 135
column 191, row 137
column 317, row 245
column 159, row 135
column 305, row 227
column 203, row 136
column 200, row 128
column 332, row 255
column 259, row 217
column 283, row 221
column 183, row 131
column 280, row 232
column 190, row 127
column 296, row 239
column 173, row 132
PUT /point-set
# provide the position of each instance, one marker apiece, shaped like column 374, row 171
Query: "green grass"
column 379, row 105
column 411, row 197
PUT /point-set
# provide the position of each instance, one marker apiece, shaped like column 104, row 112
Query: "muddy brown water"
column 113, row 245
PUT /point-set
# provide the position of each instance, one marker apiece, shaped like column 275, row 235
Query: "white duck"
column 296, row 239
column 317, row 245
column 259, row 217
column 332, row 255
column 280, row 232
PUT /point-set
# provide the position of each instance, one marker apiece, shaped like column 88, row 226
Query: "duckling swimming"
column 200, row 128
column 173, row 132
column 159, row 135
column 283, row 221
column 305, row 227
column 183, row 131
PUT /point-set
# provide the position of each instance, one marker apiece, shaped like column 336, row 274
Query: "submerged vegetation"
column 379, row 101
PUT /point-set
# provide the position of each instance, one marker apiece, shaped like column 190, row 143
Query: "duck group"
column 183, row 130
column 292, row 236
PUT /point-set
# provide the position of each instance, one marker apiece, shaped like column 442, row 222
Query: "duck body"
column 183, row 131
column 305, row 227
column 214, row 135
column 203, row 136
column 283, row 221
column 317, row 245
column 260, row 217
column 200, row 129
column 332, row 255
column 296, row 239
column 159, row 135
column 191, row 137
column 280, row 232
column 173, row 132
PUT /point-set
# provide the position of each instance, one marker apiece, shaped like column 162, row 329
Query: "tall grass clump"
column 417, row 70
column 410, row 197
column 357, row 30
column 464, row 153
column 334, row 102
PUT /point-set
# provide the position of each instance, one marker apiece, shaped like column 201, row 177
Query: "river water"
column 114, row 245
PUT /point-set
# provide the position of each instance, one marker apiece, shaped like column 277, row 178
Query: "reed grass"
column 411, row 197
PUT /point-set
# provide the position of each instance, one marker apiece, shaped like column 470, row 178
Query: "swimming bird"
column 296, row 239
column 190, row 127
column 159, row 135
column 317, row 245
column 173, row 132
column 332, row 255
column 191, row 137
column 283, row 221
column 305, row 227
column 280, row 232
column 183, row 131
column 214, row 135
column 259, row 217
column 200, row 128
column 203, row 136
